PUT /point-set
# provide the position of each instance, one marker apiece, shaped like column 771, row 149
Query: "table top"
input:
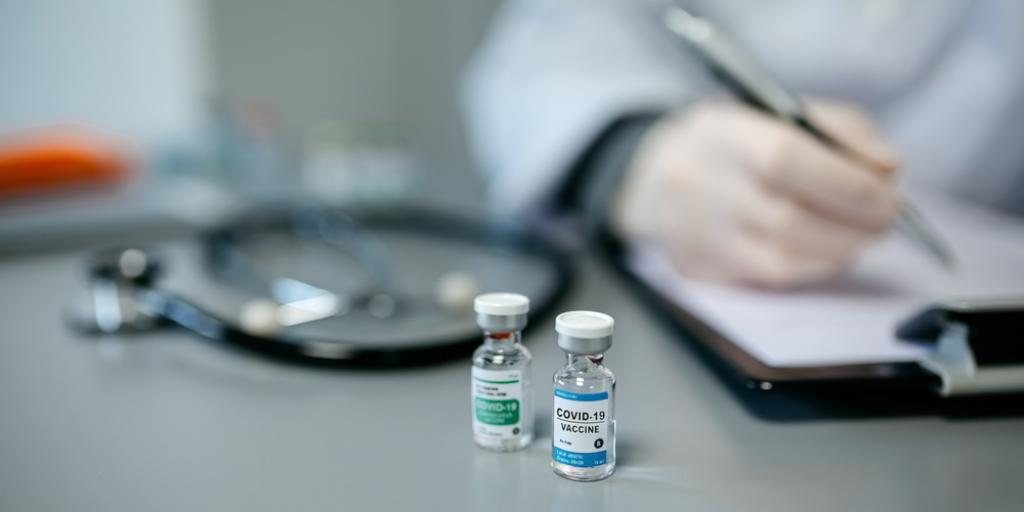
column 166, row 421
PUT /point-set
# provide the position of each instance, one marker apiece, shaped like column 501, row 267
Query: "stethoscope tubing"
column 223, row 246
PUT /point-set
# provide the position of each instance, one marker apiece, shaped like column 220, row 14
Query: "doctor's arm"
column 551, row 78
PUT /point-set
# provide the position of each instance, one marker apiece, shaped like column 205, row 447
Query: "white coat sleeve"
column 551, row 76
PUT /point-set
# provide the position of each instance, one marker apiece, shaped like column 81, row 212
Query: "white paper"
column 852, row 319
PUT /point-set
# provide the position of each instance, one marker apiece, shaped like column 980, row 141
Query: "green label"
column 497, row 412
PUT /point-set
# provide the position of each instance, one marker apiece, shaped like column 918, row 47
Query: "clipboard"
column 947, row 330
column 754, row 374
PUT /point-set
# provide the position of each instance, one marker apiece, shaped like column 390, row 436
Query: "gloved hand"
column 733, row 195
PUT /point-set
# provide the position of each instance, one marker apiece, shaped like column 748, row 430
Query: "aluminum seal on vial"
column 584, row 332
column 501, row 312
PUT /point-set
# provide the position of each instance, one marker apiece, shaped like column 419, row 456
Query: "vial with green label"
column 501, row 392
column 583, row 439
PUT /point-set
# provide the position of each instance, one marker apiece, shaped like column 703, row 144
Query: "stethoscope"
column 126, row 295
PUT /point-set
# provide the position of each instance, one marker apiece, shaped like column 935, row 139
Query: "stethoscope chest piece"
column 120, row 284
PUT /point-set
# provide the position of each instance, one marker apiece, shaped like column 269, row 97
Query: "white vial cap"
column 501, row 312
column 501, row 304
column 584, row 324
column 584, row 332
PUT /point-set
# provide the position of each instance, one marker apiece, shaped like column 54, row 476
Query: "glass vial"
column 583, row 439
column 501, row 393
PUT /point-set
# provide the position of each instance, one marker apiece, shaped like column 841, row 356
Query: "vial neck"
column 500, row 340
column 584, row 360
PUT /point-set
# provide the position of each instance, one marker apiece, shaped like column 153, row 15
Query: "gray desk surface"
column 171, row 423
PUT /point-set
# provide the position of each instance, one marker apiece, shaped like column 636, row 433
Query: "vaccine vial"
column 583, row 439
column 501, row 393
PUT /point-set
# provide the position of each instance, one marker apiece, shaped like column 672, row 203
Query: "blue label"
column 580, row 460
column 581, row 397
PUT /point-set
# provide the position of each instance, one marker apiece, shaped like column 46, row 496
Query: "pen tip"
column 949, row 263
column 913, row 224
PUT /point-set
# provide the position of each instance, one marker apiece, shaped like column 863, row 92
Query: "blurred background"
column 350, row 102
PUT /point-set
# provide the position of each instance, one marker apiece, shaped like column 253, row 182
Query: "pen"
column 738, row 71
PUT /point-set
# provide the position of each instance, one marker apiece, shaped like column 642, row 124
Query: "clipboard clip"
column 979, row 344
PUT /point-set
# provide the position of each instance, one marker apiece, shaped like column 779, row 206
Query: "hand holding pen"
column 733, row 195
column 767, row 192
column 740, row 73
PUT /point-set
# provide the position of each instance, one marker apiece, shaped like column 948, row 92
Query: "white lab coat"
column 944, row 78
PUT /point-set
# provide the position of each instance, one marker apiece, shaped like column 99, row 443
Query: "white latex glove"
column 733, row 195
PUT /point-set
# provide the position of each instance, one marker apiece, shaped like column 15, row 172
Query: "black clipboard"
column 902, row 388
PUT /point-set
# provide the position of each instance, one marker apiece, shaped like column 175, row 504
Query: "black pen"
column 748, row 80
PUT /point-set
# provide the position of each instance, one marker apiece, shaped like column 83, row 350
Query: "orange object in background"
column 59, row 160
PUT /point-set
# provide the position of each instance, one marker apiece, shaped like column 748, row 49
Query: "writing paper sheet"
column 852, row 319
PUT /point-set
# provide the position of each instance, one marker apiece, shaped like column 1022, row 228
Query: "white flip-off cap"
column 501, row 312
column 584, row 332
column 584, row 324
column 501, row 304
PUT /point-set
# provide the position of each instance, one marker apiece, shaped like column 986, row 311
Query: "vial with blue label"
column 583, row 439
column 501, row 393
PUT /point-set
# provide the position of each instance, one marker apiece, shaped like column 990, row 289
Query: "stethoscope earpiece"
column 455, row 291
